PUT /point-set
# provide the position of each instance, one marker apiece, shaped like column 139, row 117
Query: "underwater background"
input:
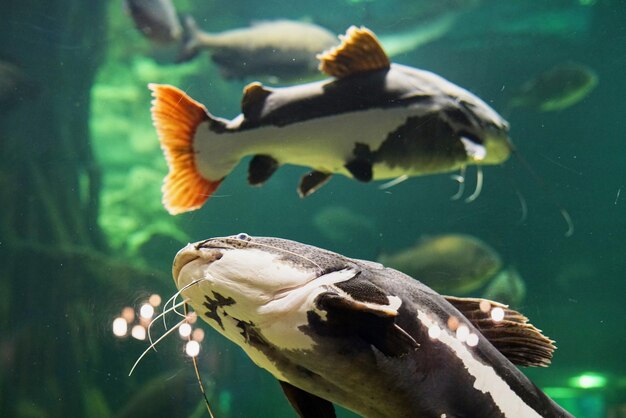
column 83, row 233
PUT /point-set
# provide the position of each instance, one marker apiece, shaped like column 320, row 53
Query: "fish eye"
column 243, row 236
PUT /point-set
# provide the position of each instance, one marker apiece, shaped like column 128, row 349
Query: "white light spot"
column 434, row 331
column 184, row 330
column 485, row 306
column 472, row 340
column 128, row 314
column 462, row 332
column 138, row 332
column 198, row 335
column 146, row 311
column 192, row 348
column 120, row 327
column 192, row 317
column 154, row 300
column 497, row 314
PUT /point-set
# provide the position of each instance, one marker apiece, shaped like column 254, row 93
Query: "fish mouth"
column 192, row 252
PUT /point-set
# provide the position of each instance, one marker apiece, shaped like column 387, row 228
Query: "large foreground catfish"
column 337, row 330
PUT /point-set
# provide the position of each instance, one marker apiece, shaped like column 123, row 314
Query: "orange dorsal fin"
column 176, row 116
column 358, row 52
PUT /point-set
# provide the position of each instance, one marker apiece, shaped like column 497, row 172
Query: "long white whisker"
column 162, row 314
column 479, row 185
column 174, row 328
column 459, row 178
column 568, row 220
column 393, row 182
column 173, row 299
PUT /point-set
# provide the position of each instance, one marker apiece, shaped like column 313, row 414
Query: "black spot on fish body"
column 214, row 304
column 423, row 143
column 361, row 165
column 360, row 169
column 261, row 169
column 250, row 334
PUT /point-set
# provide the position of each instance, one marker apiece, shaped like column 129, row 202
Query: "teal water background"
column 84, row 233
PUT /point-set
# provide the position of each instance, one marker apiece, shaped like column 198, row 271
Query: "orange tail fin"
column 176, row 117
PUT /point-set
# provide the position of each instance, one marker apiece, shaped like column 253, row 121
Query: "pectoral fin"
column 311, row 182
column 362, row 308
column 261, row 169
column 518, row 340
column 306, row 404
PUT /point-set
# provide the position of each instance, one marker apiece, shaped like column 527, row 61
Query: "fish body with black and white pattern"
column 335, row 330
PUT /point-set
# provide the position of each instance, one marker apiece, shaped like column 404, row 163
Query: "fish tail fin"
column 191, row 44
column 176, row 117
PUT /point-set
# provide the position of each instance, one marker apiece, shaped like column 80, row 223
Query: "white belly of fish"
column 324, row 144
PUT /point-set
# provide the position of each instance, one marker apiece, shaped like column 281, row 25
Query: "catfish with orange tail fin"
column 372, row 121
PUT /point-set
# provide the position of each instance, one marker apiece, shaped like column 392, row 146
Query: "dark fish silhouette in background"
column 453, row 264
column 281, row 49
column 507, row 287
column 337, row 330
column 556, row 89
column 372, row 121
column 15, row 86
column 156, row 19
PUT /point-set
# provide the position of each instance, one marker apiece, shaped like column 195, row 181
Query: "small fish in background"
column 156, row 19
column 507, row 287
column 15, row 86
column 453, row 264
column 373, row 120
column 410, row 39
column 556, row 89
column 336, row 330
column 343, row 226
column 281, row 50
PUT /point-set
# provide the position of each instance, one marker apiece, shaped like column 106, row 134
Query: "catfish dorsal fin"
column 517, row 339
column 254, row 95
column 358, row 52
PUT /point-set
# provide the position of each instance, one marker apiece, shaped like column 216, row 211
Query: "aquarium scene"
column 330, row 208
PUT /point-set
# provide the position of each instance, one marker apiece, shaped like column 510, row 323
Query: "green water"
column 83, row 233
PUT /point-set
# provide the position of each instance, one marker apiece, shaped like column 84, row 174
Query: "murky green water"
column 84, row 234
